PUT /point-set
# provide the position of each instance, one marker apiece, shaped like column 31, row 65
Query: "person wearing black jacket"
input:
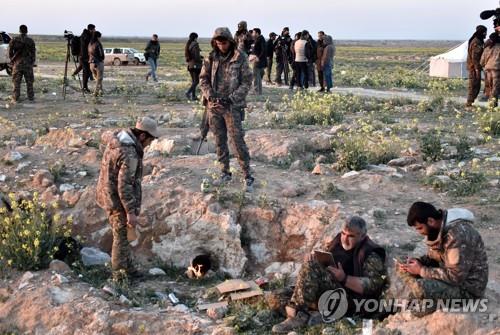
column 311, row 62
column 84, row 56
column 259, row 60
column 194, row 62
column 96, row 60
column 269, row 55
column 282, row 49
column 152, row 53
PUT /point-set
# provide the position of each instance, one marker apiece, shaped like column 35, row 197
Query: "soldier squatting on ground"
column 360, row 270
column 456, row 265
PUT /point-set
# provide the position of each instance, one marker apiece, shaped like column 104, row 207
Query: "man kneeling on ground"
column 360, row 270
column 456, row 265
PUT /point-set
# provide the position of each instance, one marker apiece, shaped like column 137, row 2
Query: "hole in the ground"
column 199, row 266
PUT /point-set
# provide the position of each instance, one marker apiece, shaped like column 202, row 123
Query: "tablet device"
column 324, row 258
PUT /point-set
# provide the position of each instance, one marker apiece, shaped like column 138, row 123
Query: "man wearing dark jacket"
column 194, row 62
column 269, row 55
column 282, row 49
column 152, row 53
column 360, row 271
column 259, row 60
column 475, row 51
column 319, row 54
column 84, row 55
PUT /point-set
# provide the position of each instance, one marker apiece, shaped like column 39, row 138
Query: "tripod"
column 65, row 80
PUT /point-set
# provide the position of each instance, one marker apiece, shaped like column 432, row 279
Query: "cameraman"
column 283, row 55
column 84, row 56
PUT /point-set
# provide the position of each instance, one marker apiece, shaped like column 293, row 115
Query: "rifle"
column 203, row 126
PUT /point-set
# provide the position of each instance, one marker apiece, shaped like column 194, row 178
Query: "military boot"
column 224, row 178
column 295, row 320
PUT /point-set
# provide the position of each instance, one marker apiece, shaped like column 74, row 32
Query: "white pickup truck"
column 4, row 53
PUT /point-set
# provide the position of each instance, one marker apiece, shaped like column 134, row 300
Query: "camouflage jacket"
column 119, row 184
column 490, row 59
column 235, row 74
column 22, row 51
column 243, row 41
column 459, row 251
column 474, row 54
column 366, row 261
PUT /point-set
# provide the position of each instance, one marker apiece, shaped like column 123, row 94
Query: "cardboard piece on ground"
column 245, row 295
column 214, row 305
column 232, row 286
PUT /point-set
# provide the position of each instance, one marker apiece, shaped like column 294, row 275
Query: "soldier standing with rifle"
column 225, row 81
column 22, row 53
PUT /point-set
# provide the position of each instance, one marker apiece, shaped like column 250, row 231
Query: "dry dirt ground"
column 63, row 136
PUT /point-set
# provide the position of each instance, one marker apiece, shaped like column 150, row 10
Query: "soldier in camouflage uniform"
column 243, row 38
column 360, row 270
column 119, row 190
column 225, row 80
column 475, row 50
column 22, row 53
column 456, row 265
column 490, row 61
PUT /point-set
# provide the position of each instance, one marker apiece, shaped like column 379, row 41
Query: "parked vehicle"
column 4, row 53
column 117, row 56
column 138, row 56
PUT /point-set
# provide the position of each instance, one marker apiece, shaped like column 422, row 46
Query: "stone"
column 94, row 256
column 124, row 300
column 321, row 142
column 414, row 167
column 71, row 197
column 402, row 161
column 317, row 170
column 180, row 308
column 60, row 279
column 22, row 166
column 59, row 266
column 350, row 174
column 157, row 272
column 12, row 157
column 296, row 165
column 43, row 179
column 164, row 146
column 292, row 191
column 66, row 187
column 3, row 178
column 223, row 330
column 436, row 168
column 381, row 168
column 290, row 268
column 217, row 313
column 320, row 159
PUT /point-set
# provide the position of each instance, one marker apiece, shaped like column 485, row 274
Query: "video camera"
column 485, row 15
column 68, row 35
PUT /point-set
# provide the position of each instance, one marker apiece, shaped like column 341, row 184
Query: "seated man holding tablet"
column 352, row 262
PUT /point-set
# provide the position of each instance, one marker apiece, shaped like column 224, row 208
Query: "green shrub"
column 30, row 233
column 351, row 154
column 430, row 146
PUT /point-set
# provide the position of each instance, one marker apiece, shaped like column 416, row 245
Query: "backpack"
column 76, row 46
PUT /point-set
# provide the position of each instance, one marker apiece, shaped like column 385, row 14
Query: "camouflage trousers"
column 120, row 251
column 474, row 86
column 222, row 124
column 487, row 84
column 432, row 289
column 98, row 73
column 312, row 281
column 18, row 72
column 494, row 77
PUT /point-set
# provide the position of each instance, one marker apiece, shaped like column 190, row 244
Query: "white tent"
column 451, row 64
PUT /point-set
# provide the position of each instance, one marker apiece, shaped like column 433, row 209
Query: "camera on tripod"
column 485, row 15
column 68, row 35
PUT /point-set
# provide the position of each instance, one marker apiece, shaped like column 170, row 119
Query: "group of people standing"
column 484, row 57
column 303, row 54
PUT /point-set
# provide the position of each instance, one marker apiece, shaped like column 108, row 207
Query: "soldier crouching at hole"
column 360, row 270
column 456, row 265
column 119, row 190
